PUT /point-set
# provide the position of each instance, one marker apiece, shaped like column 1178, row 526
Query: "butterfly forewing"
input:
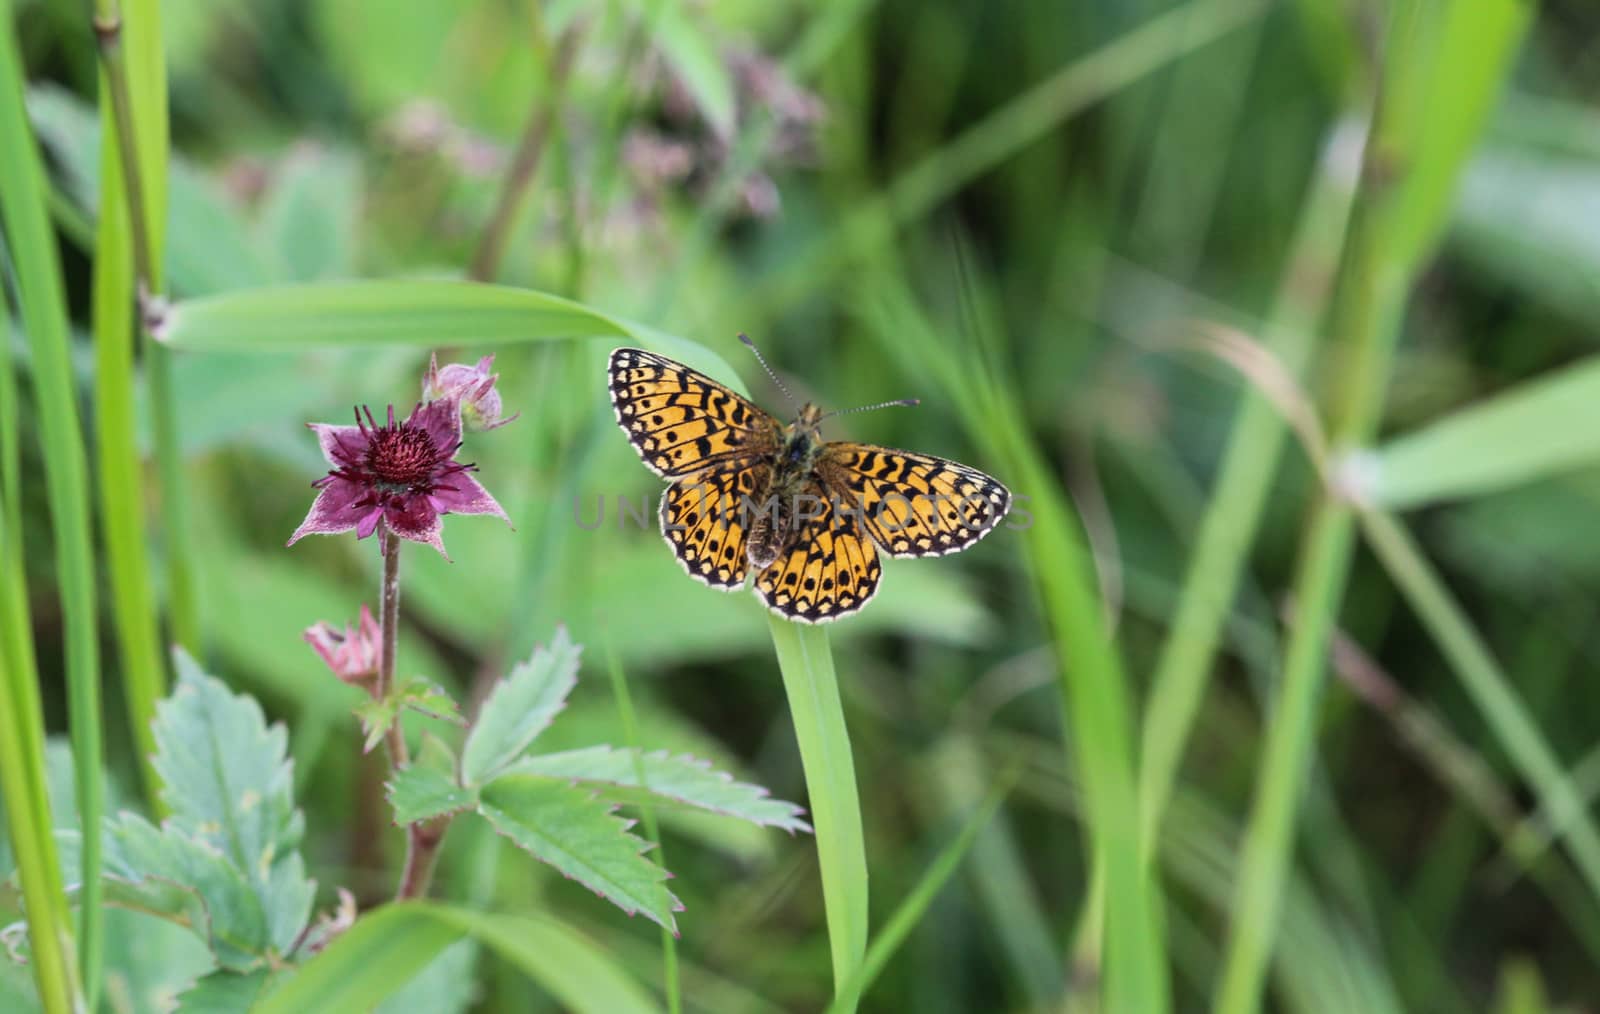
column 829, row 570
column 704, row 523
column 914, row 504
column 680, row 420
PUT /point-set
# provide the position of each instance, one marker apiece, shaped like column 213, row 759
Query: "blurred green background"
column 888, row 196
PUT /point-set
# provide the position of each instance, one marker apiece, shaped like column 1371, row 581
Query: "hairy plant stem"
column 389, row 623
column 424, row 837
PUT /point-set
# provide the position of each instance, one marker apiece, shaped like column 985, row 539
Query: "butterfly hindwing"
column 702, row 520
column 680, row 420
column 829, row 570
column 914, row 504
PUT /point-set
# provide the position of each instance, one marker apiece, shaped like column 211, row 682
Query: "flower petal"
column 442, row 421
column 414, row 518
column 343, row 446
column 369, row 521
column 462, row 494
column 338, row 508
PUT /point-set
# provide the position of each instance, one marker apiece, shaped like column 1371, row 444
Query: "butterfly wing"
column 914, row 504
column 703, row 521
column 680, row 420
column 830, row 569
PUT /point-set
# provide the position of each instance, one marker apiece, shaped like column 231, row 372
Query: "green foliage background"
column 1030, row 216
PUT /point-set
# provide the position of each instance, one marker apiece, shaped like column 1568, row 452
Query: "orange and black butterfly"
column 807, row 516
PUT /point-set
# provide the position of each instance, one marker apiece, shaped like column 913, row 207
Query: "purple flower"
column 352, row 653
column 400, row 477
column 473, row 386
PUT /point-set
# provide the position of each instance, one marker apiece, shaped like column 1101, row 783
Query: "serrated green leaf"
column 578, row 833
column 376, row 715
column 682, row 780
column 519, row 708
column 419, row 793
column 426, row 697
column 227, row 781
column 149, row 961
column 416, row 693
column 170, row 873
column 224, row 992
column 436, row 754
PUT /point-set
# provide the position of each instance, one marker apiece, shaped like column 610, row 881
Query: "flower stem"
column 424, row 837
column 422, row 854
column 389, row 621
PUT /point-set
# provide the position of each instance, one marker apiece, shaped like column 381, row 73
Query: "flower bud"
column 473, row 386
column 352, row 653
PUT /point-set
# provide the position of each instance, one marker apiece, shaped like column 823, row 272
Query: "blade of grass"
column 911, row 910
column 998, row 136
column 1234, row 512
column 1092, row 689
column 22, row 757
column 121, row 492
column 652, row 831
column 1489, row 688
column 813, row 691
column 381, row 952
column 23, row 197
column 423, row 313
column 1443, row 65
column 1539, row 428
column 134, row 112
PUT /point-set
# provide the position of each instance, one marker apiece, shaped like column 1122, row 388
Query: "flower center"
column 402, row 456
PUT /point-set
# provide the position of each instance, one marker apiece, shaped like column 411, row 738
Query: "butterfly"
column 808, row 517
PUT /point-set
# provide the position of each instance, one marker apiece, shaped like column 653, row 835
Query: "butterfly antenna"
column 770, row 372
column 898, row 402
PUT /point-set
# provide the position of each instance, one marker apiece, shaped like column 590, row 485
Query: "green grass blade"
column 22, row 751
column 647, row 815
column 120, row 470
column 23, row 197
column 916, row 902
column 1229, row 525
column 1004, row 132
column 819, row 726
column 380, row 953
column 1534, row 430
column 1481, row 676
column 1093, row 692
column 423, row 313
column 1397, row 220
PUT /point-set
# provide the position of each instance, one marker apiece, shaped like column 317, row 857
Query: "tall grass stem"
column 818, row 714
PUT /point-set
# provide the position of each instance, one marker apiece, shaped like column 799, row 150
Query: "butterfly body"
column 792, row 474
column 805, row 516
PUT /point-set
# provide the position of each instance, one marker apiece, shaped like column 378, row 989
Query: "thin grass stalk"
column 22, row 755
column 135, row 81
column 1234, row 512
column 1449, row 54
column 557, row 67
column 1092, row 689
column 997, row 137
column 120, row 245
column 1491, row 690
column 647, row 814
column 818, row 714
column 23, row 195
column 915, row 905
